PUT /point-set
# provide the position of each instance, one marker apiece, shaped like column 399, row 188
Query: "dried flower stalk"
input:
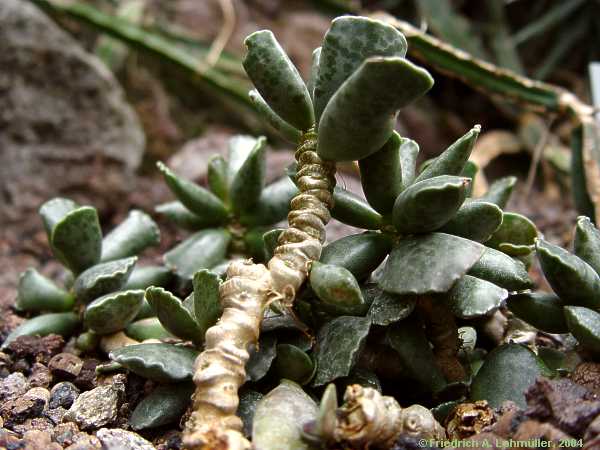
column 249, row 288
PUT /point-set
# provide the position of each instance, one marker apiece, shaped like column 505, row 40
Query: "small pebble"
column 36, row 348
column 39, row 440
column 65, row 432
column 84, row 441
column 65, row 366
column 31, row 404
column 86, row 379
column 63, row 394
column 8, row 439
column 13, row 386
column 96, row 408
column 37, row 423
column 40, row 376
column 5, row 365
column 55, row 415
column 118, row 439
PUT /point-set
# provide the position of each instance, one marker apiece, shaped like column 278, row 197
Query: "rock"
column 510, row 417
column 13, row 386
column 587, row 374
column 64, row 118
column 565, row 405
column 593, row 430
column 39, row 440
column 468, row 419
column 37, row 423
column 64, row 433
column 118, row 439
column 55, row 415
column 532, row 429
column 40, row 376
column 87, row 376
column 96, row 408
column 5, row 364
column 65, row 366
column 63, row 394
column 31, row 404
column 8, row 439
column 84, row 441
column 36, row 348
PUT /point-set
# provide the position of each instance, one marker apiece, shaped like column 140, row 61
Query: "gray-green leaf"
column 202, row 250
column 387, row 308
column 339, row 342
column 337, row 289
column 261, row 357
column 64, row 324
column 471, row 297
column 103, row 278
column 429, row 263
column 515, row 236
column 173, row 315
column 113, row 312
column 352, row 210
column 278, row 80
column 475, row 220
column 293, row 364
column 499, row 191
column 355, row 125
column 348, row 42
column 159, row 362
column 207, row 303
column 587, row 242
column 273, row 204
column 164, row 405
column 502, row 270
column 132, row 236
column 38, row 293
column 584, row 324
column 287, row 131
column 183, row 217
column 143, row 277
column 542, row 310
column 249, row 181
column 429, row 204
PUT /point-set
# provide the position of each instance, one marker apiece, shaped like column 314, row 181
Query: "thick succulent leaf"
column 387, row 308
column 506, row 374
column 339, row 343
column 361, row 253
column 249, row 181
column 132, row 236
column 278, row 80
column 202, row 250
column 216, row 176
column 173, row 315
column 354, row 124
column 337, row 289
column 293, row 364
column 502, row 270
column 103, row 278
column 470, row 171
column 475, row 220
column 247, row 407
column 499, row 191
column 149, row 328
column 261, row 357
column 587, row 242
column 54, row 211
column 38, row 293
column 164, row 405
column 584, row 324
column 64, row 324
column 471, row 297
column 348, row 42
column 515, row 236
column 143, row 277
column 198, row 200
column 271, row 240
column 381, row 175
column 273, row 204
column 573, row 280
column 207, row 304
column 158, row 362
column 287, row 131
column 452, row 161
column 113, row 312
column 183, row 217
column 409, row 150
column 408, row 339
column 254, row 246
column 427, row 205
column 279, row 417
column 239, row 148
column 542, row 310
column 429, row 263
column 314, row 72
column 561, row 362
column 76, row 240
column 352, row 210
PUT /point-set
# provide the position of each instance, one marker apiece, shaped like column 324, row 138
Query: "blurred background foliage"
column 180, row 64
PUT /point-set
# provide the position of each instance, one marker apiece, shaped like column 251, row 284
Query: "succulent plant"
column 574, row 307
column 231, row 216
column 102, row 291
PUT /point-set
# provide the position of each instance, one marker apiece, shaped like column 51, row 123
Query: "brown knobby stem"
column 249, row 288
column 442, row 332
